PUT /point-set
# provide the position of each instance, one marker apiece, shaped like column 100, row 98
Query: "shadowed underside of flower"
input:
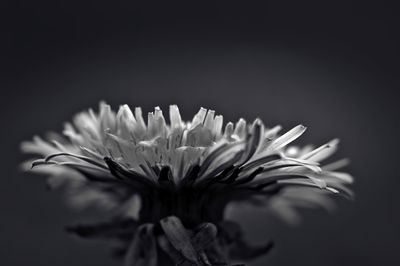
column 168, row 184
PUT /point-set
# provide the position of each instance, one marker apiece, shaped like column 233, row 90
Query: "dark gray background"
column 331, row 66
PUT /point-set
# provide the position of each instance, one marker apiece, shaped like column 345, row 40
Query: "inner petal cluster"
column 118, row 159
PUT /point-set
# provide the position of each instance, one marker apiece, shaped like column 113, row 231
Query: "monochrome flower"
column 180, row 176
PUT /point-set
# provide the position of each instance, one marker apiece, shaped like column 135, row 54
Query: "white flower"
column 188, row 169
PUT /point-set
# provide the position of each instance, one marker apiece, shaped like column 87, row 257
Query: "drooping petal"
column 179, row 238
column 143, row 249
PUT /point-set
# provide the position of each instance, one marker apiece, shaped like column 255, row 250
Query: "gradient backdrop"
column 331, row 66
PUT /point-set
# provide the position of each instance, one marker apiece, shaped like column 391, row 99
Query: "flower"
column 181, row 175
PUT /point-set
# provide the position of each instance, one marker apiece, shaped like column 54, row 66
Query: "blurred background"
column 332, row 66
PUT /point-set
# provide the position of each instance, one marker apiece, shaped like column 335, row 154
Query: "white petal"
column 218, row 121
column 209, row 121
column 175, row 117
column 322, row 152
column 199, row 117
column 107, row 118
column 139, row 119
column 228, row 130
column 270, row 133
column 288, row 137
column 336, row 165
column 240, row 128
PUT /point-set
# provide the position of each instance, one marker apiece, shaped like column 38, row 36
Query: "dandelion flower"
column 167, row 185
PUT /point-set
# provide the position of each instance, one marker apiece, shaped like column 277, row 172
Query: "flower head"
column 190, row 170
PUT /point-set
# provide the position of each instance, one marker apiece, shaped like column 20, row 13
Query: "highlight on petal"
column 288, row 137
